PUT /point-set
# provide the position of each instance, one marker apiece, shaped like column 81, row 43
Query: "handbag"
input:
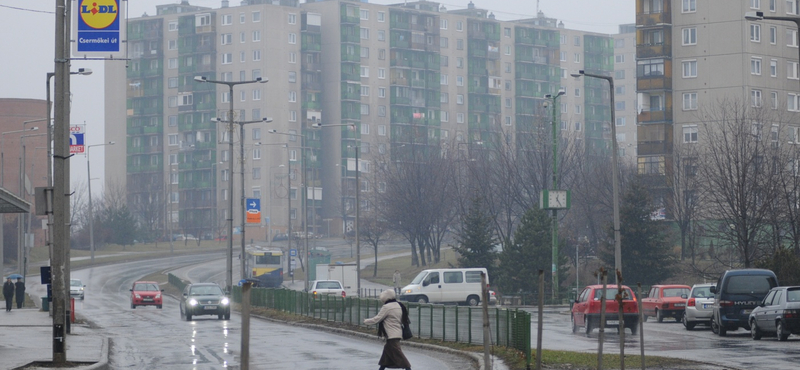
column 407, row 334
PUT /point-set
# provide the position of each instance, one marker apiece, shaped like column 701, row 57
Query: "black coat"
column 20, row 287
column 8, row 290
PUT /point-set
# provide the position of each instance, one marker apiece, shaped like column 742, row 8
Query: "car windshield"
column 702, row 292
column 750, row 284
column 205, row 290
column 611, row 292
column 145, row 287
column 75, row 283
column 675, row 292
column 418, row 279
column 793, row 295
column 329, row 285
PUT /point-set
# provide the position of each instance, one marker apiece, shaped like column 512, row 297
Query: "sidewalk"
column 26, row 336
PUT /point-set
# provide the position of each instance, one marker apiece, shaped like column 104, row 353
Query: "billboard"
column 76, row 139
column 98, row 29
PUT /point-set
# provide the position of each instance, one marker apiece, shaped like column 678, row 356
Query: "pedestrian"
column 8, row 293
column 396, row 281
column 20, row 288
column 390, row 319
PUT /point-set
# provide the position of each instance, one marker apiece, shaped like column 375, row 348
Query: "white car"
column 699, row 306
column 76, row 289
column 321, row 288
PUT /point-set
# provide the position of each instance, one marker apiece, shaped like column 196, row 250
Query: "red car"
column 666, row 301
column 586, row 310
column 146, row 293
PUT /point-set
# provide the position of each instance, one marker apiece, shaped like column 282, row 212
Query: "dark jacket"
column 20, row 287
column 8, row 290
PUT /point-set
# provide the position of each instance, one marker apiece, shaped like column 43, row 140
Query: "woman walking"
column 390, row 319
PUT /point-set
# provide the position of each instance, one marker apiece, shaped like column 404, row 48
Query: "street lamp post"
column 269, row 203
column 22, row 261
column 614, row 170
column 757, row 16
column 230, row 84
column 554, row 99
column 89, row 180
column 241, row 162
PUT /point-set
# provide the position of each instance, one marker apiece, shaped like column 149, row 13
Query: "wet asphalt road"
column 148, row 338
column 671, row 339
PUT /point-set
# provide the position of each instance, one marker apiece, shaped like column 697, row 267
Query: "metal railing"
column 509, row 327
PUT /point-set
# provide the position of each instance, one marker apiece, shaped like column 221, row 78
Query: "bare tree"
column 686, row 192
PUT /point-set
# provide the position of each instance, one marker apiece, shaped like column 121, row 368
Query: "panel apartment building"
column 691, row 54
column 385, row 80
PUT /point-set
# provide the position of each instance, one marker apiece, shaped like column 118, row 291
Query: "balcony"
column 400, row 63
column 351, row 58
column 420, row 84
column 653, row 19
column 312, row 105
column 652, row 51
column 418, row 102
column 653, row 83
column 397, row 43
column 311, row 67
column 400, row 100
column 654, row 116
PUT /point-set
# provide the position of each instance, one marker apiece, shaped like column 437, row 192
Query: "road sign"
column 293, row 252
column 76, row 139
column 101, row 28
column 253, row 207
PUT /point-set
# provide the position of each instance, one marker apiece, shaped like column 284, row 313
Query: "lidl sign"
column 100, row 28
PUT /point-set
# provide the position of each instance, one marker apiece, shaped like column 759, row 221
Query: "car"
column 204, row 299
column 321, row 288
column 736, row 294
column 778, row 313
column 451, row 285
column 77, row 289
column 699, row 306
column 492, row 298
column 586, row 310
column 665, row 301
column 146, row 293
column 280, row 237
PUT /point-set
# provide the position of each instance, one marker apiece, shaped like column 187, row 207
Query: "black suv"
column 736, row 294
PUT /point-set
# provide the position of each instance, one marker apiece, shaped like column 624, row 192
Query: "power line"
column 26, row 10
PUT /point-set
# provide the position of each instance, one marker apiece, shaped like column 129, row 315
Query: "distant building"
column 411, row 76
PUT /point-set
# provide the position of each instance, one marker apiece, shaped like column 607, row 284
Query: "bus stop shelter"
column 9, row 203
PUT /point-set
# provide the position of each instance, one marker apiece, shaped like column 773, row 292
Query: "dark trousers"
column 9, row 301
column 20, row 301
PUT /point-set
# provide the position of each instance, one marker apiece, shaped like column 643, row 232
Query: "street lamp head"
column 111, row 142
column 316, row 125
column 273, row 131
column 263, row 81
column 577, row 74
column 267, row 119
column 34, row 128
column 84, row 71
column 754, row 16
column 201, row 78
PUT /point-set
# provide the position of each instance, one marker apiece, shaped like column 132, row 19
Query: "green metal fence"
column 509, row 328
column 176, row 282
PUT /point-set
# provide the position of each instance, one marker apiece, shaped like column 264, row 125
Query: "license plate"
column 148, row 299
column 706, row 305
column 680, row 305
column 210, row 307
column 612, row 322
column 746, row 312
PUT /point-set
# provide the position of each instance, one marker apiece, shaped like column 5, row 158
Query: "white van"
column 446, row 286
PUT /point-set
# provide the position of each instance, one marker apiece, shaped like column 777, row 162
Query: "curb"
column 103, row 363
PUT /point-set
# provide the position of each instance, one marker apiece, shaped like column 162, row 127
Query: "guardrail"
column 509, row 327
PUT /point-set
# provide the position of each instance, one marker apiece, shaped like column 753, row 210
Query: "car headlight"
column 409, row 290
column 193, row 302
column 224, row 301
column 137, row 296
column 158, row 296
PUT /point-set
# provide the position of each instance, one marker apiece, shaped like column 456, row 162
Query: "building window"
column 773, row 68
column 755, row 4
column 292, row 19
column 173, row 26
column 256, row 16
column 257, row 94
column 690, row 134
column 292, row 38
column 381, row 16
column 364, row 109
column 689, row 6
column 689, row 68
column 443, row 79
column 381, row 92
column 256, row 55
column 774, row 99
column 460, row 117
column 620, row 121
column 364, row 52
column 690, row 36
column 459, row 99
column 576, row 41
column 364, row 90
column 460, row 44
column 226, row 39
column 381, row 35
column 755, row 98
column 364, row 33
column 773, row 35
column 227, row 58
column 256, row 173
column 381, row 54
column 755, row 66
column 292, row 57
column 256, row 153
column 292, row 96
column 577, row 126
column 791, row 38
column 365, row 14
column 791, row 70
column 755, row 32
column 651, row 165
column 256, row 36
column 364, row 71
column 690, row 101
column 577, row 58
column 381, row 111
column 459, row 80
column 791, row 7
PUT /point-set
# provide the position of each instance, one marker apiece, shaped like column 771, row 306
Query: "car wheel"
column 159, row 307
column 659, row 316
column 82, row 297
column 188, row 317
column 588, row 327
column 228, row 316
column 722, row 330
column 574, row 325
column 473, row 300
column 687, row 324
column 783, row 335
column 219, row 317
column 133, row 306
column 755, row 332
column 634, row 328
column 714, row 326
column 422, row 299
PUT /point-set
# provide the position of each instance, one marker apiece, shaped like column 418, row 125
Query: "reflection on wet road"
column 671, row 339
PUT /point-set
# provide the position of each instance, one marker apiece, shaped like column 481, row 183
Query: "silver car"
column 76, row 289
column 699, row 306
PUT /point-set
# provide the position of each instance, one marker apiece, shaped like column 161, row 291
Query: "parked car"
column 459, row 285
column 204, row 299
column 586, row 310
column 77, row 289
column 699, row 306
column 279, row 237
column 146, row 293
column 778, row 313
column 665, row 301
column 492, row 298
column 736, row 294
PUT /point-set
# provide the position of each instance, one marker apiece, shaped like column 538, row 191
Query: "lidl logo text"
column 98, row 14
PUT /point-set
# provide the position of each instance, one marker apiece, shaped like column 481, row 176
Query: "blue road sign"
column 253, row 207
column 292, row 252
